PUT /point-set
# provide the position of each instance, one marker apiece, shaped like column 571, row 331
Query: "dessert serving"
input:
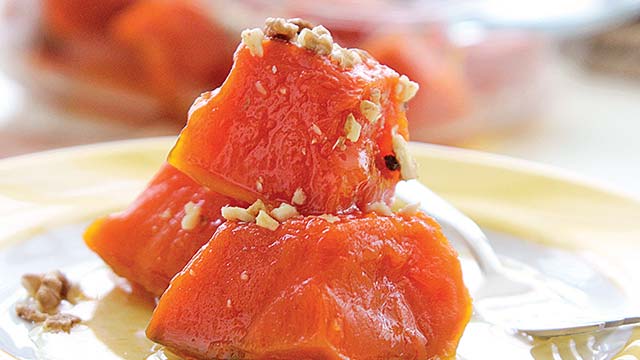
column 269, row 233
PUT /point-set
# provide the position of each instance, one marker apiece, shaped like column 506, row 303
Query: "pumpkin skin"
column 276, row 120
column 364, row 287
column 146, row 243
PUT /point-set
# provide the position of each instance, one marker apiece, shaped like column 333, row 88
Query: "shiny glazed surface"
column 260, row 125
column 146, row 242
column 364, row 287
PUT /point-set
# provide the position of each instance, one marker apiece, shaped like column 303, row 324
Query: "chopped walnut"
column 236, row 213
column 192, row 215
column 408, row 167
column 370, row 110
column 375, row 96
column 260, row 88
column 299, row 197
column 301, row 23
column 52, row 289
column 346, row 58
column 317, row 39
column 46, row 292
column 244, row 276
column 284, row 212
column 316, row 129
column 252, row 38
column 410, row 209
column 255, row 208
column 380, row 208
column 352, row 128
column 330, row 218
column 260, row 184
column 264, row 220
column 406, row 89
column 31, row 283
column 29, row 312
column 280, row 28
column 60, row 322
column 340, row 143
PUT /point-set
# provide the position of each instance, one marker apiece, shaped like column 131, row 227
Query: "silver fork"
column 507, row 297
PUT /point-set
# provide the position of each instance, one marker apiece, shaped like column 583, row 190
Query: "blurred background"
column 556, row 82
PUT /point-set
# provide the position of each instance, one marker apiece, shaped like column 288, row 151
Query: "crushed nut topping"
column 191, row 217
column 410, row 209
column 301, row 23
column 47, row 289
column 274, row 69
column 229, row 303
column 280, row 28
column 244, row 276
column 340, row 143
column 283, row 90
column 352, row 128
column 375, row 96
column 317, row 39
column 252, row 39
column 260, row 88
column 235, row 213
column 330, row 218
column 346, row 58
column 29, row 312
column 266, row 221
column 60, row 322
column 379, row 208
column 46, row 292
column 406, row 89
column 284, row 212
column 303, row 151
column 370, row 110
column 408, row 167
column 316, row 129
column 259, row 184
column 166, row 214
column 255, row 208
column 299, row 197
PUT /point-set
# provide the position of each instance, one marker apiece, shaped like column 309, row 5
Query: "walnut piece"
column 60, row 322
column 379, row 208
column 46, row 291
column 352, row 128
column 266, row 221
column 192, row 215
column 28, row 311
column 299, row 197
column 252, row 38
column 408, row 167
column 284, row 212
column 236, row 213
column 370, row 110
column 280, row 28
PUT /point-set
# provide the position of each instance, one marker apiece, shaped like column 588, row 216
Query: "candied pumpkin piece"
column 432, row 63
column 158, row 234
column 303, row 117
column 181, row 50
column 359, row 286
column 79, row 18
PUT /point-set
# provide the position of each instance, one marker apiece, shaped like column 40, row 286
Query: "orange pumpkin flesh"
column 146, row 243
column 365, row 287
column 276, row 120
column 180, row 49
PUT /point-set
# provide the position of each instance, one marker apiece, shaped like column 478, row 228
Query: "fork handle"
column 451, row 218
